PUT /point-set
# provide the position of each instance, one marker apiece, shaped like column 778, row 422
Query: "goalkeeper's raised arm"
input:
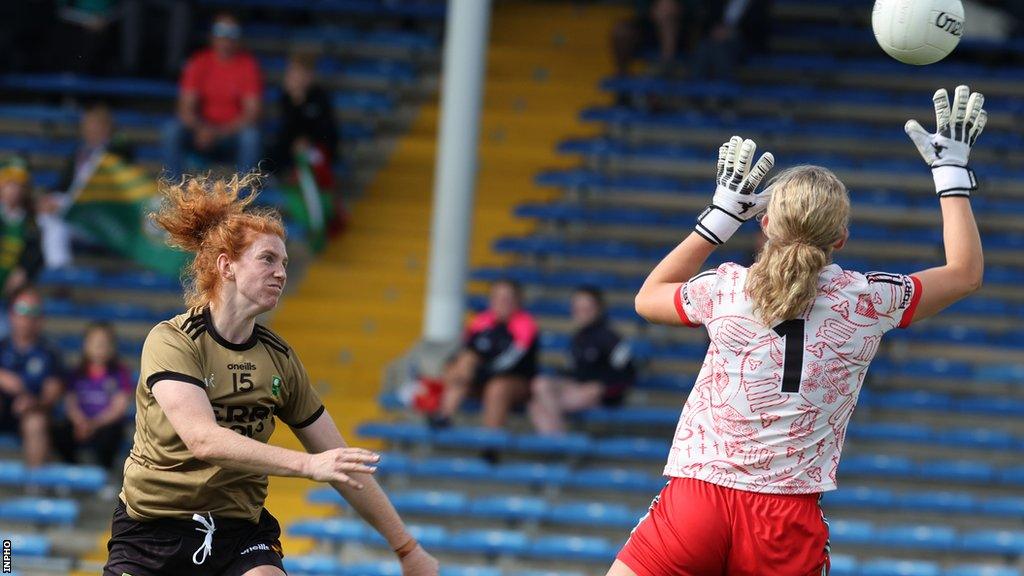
column 947, row 151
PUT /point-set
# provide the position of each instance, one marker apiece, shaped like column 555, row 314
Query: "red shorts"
column 695, row 528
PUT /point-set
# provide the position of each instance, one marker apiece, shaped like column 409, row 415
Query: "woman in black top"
column 307, row 121
column 600, row 373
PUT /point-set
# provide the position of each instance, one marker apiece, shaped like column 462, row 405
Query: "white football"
column 918, row 31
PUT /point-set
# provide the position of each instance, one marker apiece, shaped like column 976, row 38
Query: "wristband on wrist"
column 954, row 180
column 407, row 548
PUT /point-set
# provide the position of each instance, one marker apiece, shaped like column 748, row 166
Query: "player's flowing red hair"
column 808, row 214
column 209, row 218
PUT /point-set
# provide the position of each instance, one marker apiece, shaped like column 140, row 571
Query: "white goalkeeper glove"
column 947, row 150
column 735, row 202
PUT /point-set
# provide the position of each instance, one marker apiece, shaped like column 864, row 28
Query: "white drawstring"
column 207, row 529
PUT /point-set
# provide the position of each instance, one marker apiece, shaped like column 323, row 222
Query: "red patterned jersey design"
column 765, row 416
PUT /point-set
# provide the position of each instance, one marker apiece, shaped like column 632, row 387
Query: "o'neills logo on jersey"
column 242, row 366
column 950, row 23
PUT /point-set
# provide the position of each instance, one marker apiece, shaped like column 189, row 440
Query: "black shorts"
column 166, row 547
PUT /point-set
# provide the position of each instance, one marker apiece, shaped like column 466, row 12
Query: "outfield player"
column 792, row 336
column 212, row 385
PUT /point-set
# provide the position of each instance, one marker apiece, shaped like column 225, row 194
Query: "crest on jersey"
column 275, row 385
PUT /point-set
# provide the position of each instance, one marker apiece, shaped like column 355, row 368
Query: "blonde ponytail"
column 808, row 214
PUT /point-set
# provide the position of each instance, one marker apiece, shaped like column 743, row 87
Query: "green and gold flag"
column 112, row 208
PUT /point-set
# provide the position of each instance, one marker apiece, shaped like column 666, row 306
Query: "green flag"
column 112, row 207
column 307, row 205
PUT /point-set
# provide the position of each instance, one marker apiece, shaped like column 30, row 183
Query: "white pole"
column 455, row 171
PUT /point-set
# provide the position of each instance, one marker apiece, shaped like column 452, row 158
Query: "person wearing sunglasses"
column 31, row 381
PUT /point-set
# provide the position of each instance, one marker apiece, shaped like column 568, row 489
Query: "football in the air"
column 918, row 31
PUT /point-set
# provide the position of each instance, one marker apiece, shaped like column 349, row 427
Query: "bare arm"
column 188, row 104
column 371, row 503
column 53, row 389
column 11, row 383
column 115, row 411
column 71, row 406
column 965, row 262
column 188, row 409
column 947, row 152
column 656, row 299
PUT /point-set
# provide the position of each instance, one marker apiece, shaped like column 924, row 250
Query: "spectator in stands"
column 600, row 373
column 308, row 127
column 31, row 382
column 96, row 130
column 218, row 104
column 657, row 24
column 96, row 401
column 497, row 361
column 730, row 30
column 21, row 255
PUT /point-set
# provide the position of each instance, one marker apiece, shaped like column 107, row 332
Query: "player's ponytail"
column 209, row 218
column 807, row 216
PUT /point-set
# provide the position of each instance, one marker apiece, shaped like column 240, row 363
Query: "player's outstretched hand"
column 948, row 149
column 337, row 464
column 735, row 201
column 419, row 563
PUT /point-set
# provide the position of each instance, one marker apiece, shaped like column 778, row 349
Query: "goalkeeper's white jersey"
column 769, row 410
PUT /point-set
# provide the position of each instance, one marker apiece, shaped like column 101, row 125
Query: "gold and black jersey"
column 249, row 385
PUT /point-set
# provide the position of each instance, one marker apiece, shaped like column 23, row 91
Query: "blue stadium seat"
column 396, row 431
column 491, row 542
column 478, row 438
column 433, row 502
column 39, row 510
column 29, row 544
column 595, row 514
column 573, row 548
column 956, row 471
column 981, row 438
column 993, row 541
column 533, row 473
column 319, row 565
column 634, row 448
column 899, row 567
column 77, row 478
column 876, row 465
column 942, row 502
column 1009, row 506
column 842, row 565
column 544, row 573
column 13, row 473
column 454, row 468
column 928, row 537
column 509, row 508
column 980, row 570
column 617, row 479
column 859, row 497
column 331, row 529
column 851, row 532
column 565, row 445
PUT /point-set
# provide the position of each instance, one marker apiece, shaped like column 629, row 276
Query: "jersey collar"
column 248, row 344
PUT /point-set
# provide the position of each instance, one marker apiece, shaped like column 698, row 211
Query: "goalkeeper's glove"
column 735, row 201
column 947, row 150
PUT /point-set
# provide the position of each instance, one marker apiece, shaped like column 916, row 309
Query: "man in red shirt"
column 219, row 103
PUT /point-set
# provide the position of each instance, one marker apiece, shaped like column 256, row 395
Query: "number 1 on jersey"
column 792, row 333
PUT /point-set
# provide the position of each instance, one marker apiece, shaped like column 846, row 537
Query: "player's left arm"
column 371, row 503
column 733, row 204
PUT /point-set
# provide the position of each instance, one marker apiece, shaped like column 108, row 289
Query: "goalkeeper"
column 760, row 436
